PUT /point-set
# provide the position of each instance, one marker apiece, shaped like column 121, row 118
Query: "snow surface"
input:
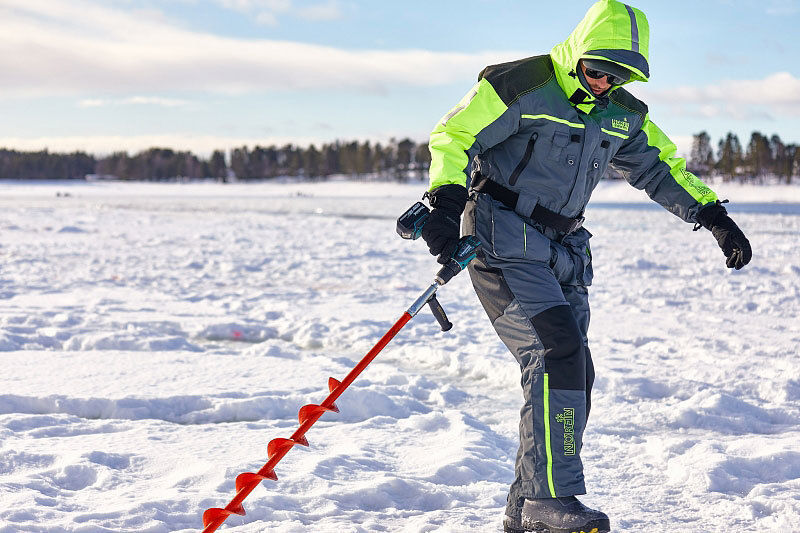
column 154, row 338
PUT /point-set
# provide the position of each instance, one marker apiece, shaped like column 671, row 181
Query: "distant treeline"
column 763, row 159
column 398, row 160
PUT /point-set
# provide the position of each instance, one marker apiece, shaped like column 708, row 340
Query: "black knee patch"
column 564, row 358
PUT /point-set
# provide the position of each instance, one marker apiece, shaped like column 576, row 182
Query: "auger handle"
column 439, row 314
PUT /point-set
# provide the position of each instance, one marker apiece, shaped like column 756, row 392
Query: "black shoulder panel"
column 512, row 80
column 626, row 100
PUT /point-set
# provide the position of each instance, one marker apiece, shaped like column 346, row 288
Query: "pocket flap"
column 561, row 139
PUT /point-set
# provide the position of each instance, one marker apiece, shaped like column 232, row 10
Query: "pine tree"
column 405, row 154
column 781, row 159
column 701, row 160
column 312, row 162
column 729, row 156
column 794, row 150
column 216, row 166
column 758, row 158
column 240, row 163
column 422, row 158
column 365, row 163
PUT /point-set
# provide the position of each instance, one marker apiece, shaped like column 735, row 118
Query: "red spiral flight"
column 277, row 448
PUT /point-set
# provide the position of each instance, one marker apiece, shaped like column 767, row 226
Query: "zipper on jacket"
column 525, row 159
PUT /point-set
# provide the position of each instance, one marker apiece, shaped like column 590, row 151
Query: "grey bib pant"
column 532, row 282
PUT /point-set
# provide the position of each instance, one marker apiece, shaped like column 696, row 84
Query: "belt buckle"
column 576, row 224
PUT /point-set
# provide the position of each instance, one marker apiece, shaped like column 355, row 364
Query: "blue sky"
column 105, row 75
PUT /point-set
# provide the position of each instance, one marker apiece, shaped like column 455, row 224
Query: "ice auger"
column 409, row 226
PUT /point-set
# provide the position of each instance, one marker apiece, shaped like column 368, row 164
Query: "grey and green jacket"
column 532, row 126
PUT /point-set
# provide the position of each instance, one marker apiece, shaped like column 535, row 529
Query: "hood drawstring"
column 601, row 101
column 580, row 95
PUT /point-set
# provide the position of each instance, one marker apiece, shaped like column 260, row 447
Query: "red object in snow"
column 277, row 448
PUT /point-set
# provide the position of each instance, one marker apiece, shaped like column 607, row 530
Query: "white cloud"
column 266, row 18
column 683, row 143
column 266, row 12
column 771, row 7
column 154, row 100
column 249, row 6
column 783, row 7
column 330, row 10
column 775, row 95
column 52, row 47
column 133, row 100
column 93, row 102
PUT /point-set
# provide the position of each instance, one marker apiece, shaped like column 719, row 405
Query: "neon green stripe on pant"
column 547, row 435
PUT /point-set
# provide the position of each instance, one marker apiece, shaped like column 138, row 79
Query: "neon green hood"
column 612, row 31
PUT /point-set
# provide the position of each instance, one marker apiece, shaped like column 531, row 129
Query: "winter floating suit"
column 535, row 128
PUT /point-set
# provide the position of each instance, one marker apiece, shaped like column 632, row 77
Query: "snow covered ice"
column 154, row 338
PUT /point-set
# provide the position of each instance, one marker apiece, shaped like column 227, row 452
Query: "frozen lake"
column 154, row 338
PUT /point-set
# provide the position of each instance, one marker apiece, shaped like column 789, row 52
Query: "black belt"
column 509, row 198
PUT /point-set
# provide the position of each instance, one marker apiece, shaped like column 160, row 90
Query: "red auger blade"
column 267, row 473
column 314, row 411
column 214, row 514
column 249, row 480
column 277, row 448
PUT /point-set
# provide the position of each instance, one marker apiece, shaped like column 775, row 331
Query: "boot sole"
column 595, row 526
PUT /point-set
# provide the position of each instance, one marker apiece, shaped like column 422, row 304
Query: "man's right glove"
column 441, row 230
column 730, row 238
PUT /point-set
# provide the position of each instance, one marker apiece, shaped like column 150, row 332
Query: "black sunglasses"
column 597, row 74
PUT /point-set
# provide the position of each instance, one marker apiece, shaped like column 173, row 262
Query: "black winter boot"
column 557, row 515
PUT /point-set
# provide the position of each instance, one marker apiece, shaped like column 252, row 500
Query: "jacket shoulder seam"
column 618, row 101
column 513, row 80
column 532, row 89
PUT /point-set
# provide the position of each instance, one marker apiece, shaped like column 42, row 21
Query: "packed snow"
column 155, row 337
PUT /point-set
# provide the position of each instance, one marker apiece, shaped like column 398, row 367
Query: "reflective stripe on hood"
column 612, row 31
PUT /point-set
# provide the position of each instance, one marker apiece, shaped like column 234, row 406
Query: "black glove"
column 730, row 238
column 441, row 230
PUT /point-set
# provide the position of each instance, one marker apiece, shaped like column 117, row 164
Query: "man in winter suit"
column 522, row 152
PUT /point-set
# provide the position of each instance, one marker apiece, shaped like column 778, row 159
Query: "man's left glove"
column 730, row 238
column 441, row 230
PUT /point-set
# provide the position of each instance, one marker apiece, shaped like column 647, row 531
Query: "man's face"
column 598, row 86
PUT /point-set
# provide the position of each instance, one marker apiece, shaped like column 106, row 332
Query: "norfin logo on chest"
column 623, row 124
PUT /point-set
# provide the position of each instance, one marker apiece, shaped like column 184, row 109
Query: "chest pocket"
column 560, row 141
